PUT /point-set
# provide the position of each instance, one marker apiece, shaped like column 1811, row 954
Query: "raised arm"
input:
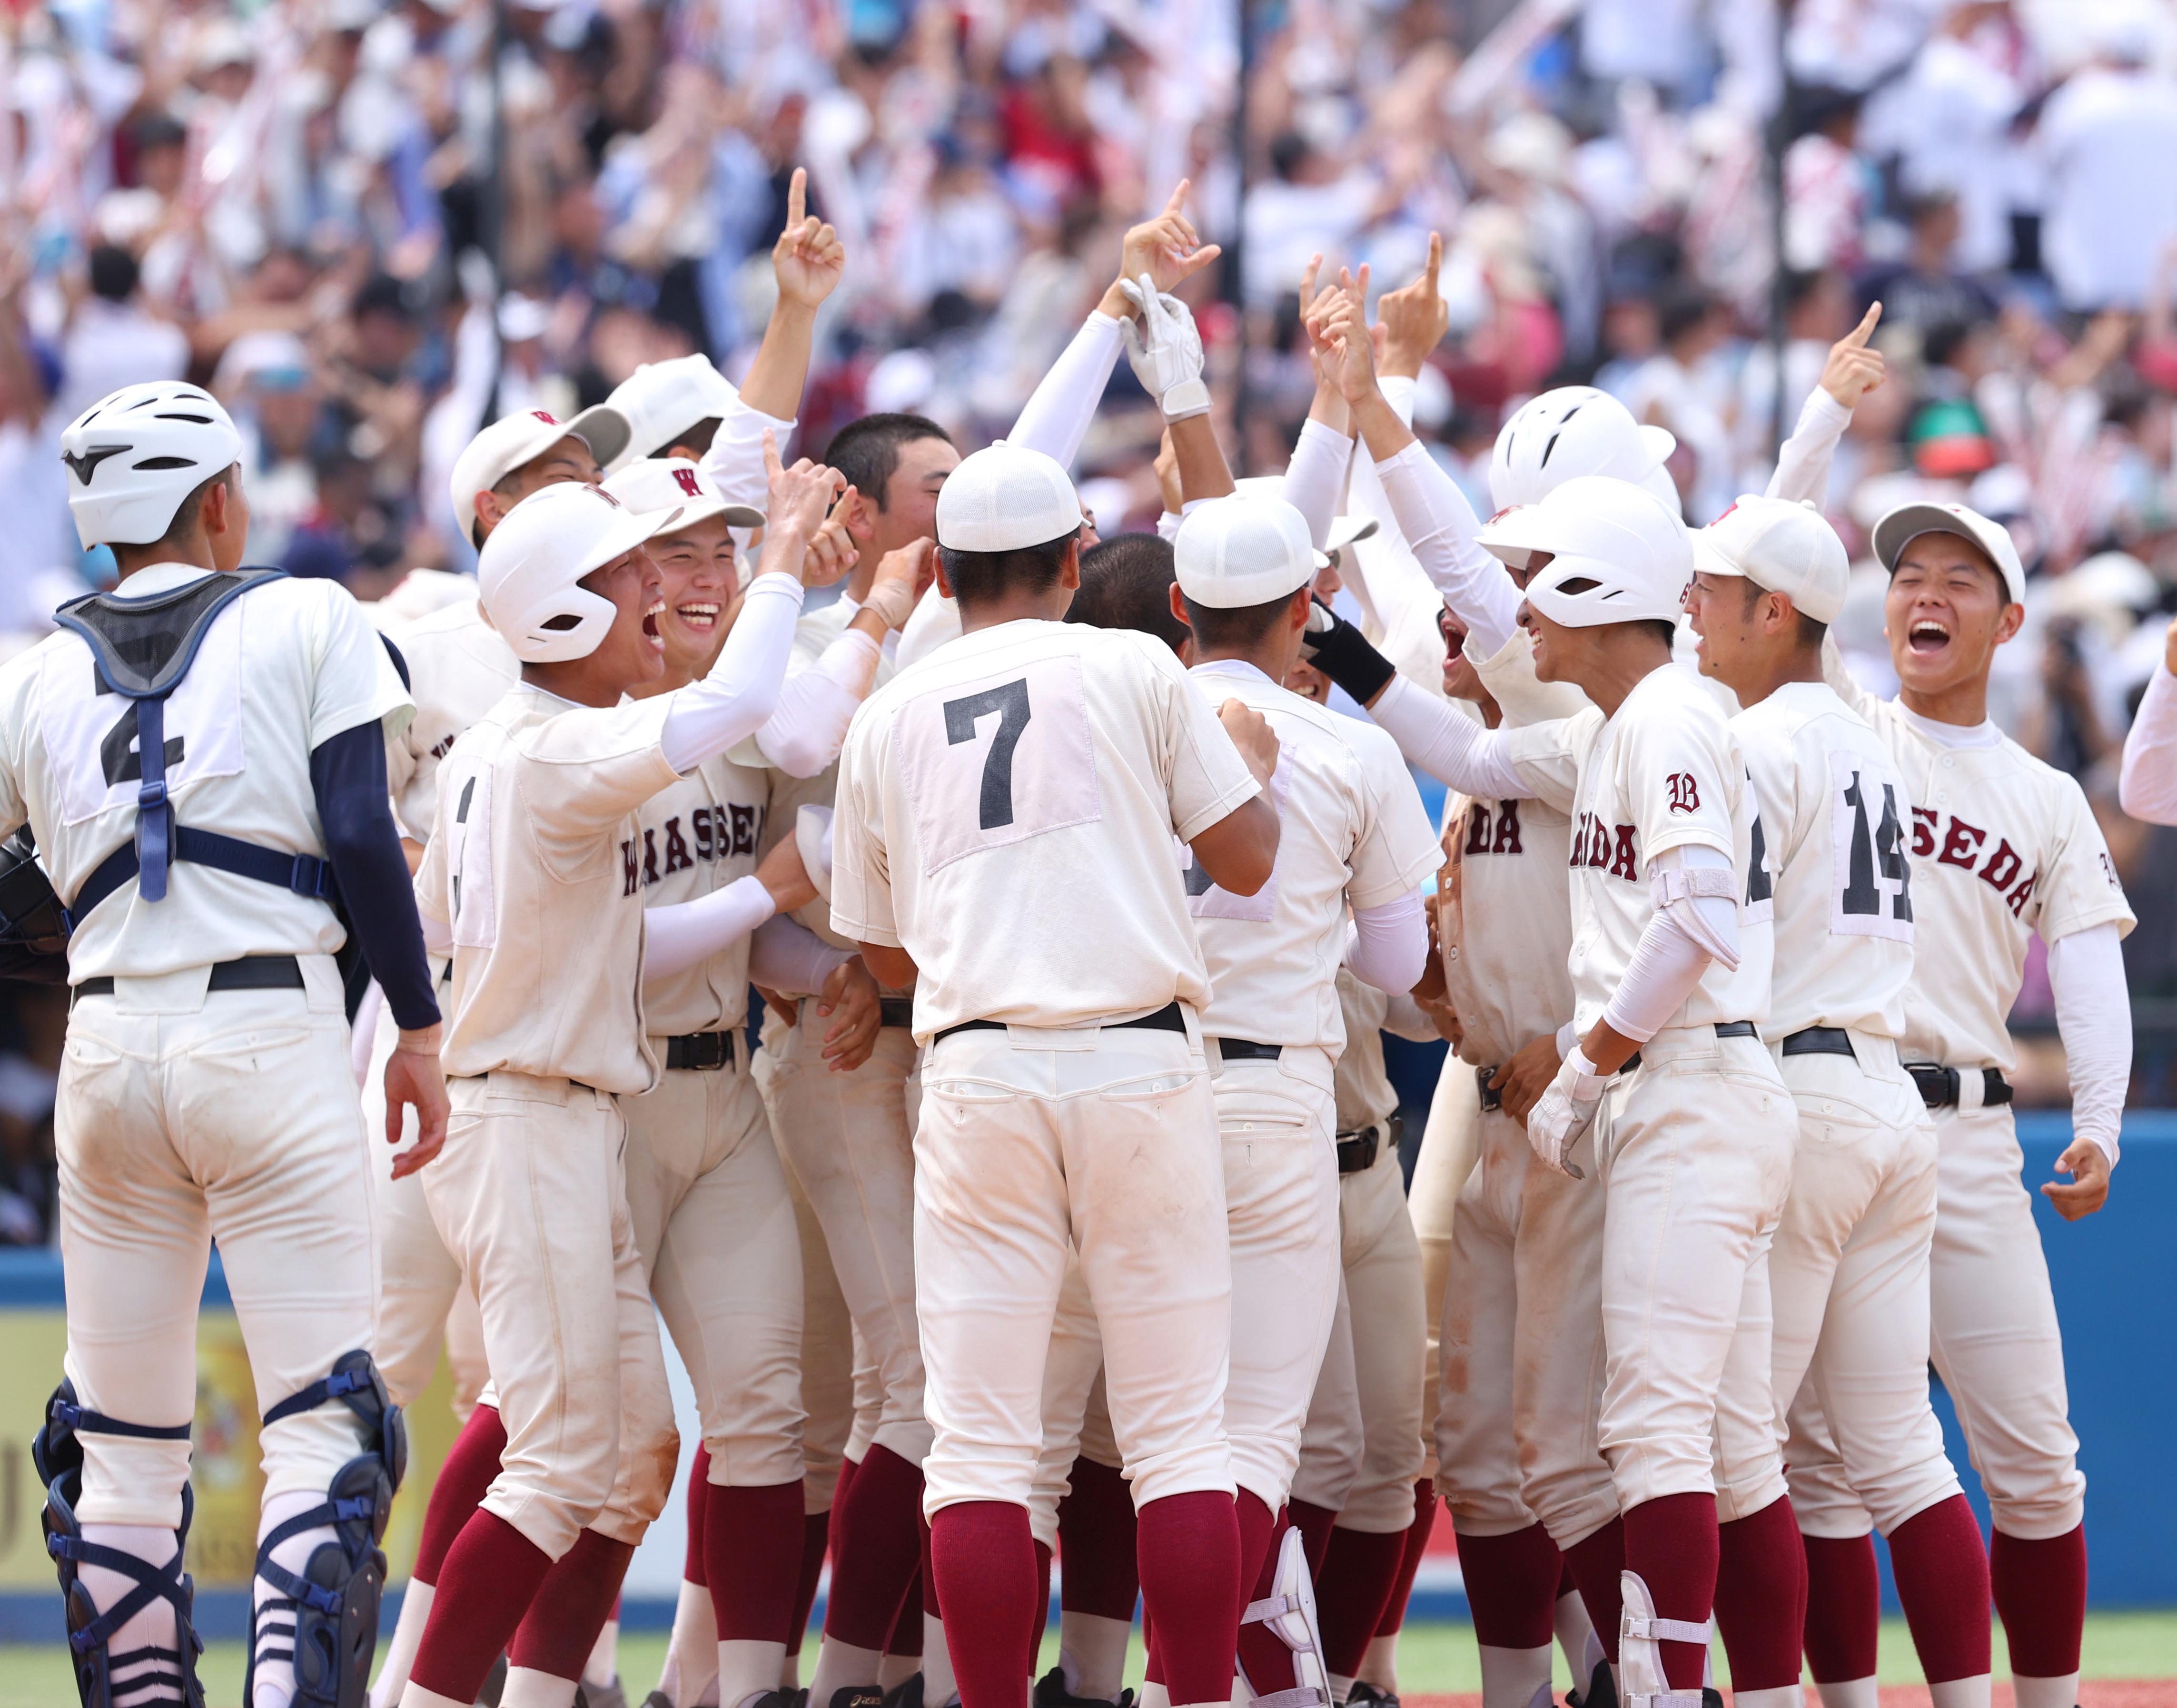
column 2147, row 784
column 1854, row 369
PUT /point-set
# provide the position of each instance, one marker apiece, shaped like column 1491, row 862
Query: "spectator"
column 112, row 339
column 2110, row 207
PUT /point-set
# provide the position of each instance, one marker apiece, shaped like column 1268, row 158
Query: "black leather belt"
column 1724, row 1029
column 251, row 973
column 1491, row 1098
column 705, row 1052
column 1939, row 1085
column 896, row 1011
column 1246, row 1050
column 1358, row 1151
column 1820, row 1041
column 1169, row 1018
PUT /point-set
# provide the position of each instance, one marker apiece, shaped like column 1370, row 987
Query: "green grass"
column 1432, row 1658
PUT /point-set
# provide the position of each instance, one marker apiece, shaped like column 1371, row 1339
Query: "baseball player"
column 1066, row 1101
column 2002, row 847
column 2147, row 786
column 525, row 857
column 200, row 757
column 1848, row 1272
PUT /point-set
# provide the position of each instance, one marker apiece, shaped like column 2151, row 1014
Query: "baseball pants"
column 1995, row 1341
column 1278, row 1122
column 1450, row 1143
column 827, row 1363
column 1035, row 1144
column 1848, row 1276
column 1695, row 1149
column 530, row 1195
column 714, row 1224
column 1522, row 1340
column 184, row 1117
column 1360, row 1451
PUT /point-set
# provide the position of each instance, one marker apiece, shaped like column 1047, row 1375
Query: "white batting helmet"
column 1617, row 554
column 532, row 563
column 134, row 455
column 1572, row 431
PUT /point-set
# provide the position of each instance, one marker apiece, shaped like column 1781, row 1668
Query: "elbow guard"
column 1703, row 903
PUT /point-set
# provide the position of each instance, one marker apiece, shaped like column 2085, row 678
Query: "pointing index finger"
column 797, row 199
column 1435, row 261
column 1860, row 333
column 1178, row 200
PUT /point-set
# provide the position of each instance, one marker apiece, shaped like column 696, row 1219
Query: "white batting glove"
column 1562, row 1113
column 1165, row 350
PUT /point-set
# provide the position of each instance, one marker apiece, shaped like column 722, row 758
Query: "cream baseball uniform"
column 2002, row 847
column 1006, row 815
column 530, row 872
column 1848, row 1272
column 186, row 1114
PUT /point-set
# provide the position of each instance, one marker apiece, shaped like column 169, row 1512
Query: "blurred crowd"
column 374, row 226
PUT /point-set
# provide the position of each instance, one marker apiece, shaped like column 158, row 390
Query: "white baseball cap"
column 1343, row 529
column 529, row 568
column 1006, row 497
column 659, row 483
column 1242, row 550
column 1619, row 555
column 663, row 400
column 1782, row 545
column 1900, row 528
column 522, row 437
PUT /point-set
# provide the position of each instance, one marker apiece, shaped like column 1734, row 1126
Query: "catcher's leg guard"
column 106, row 1677
column 1289, row 1611
column 1641, row 1637
column 325, row 1617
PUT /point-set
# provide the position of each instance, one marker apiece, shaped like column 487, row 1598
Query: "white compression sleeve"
column 1447, row 743
column 1440, row 526
column 1315, row 479
column 1802, row 461
column 2093, row 1018
column 742, row 690
column 1055, row 418
column 1387, row 945
column 814, row 707
column 1694, row 927
column 734, row 460
column 679, row 934
column 792, row 960
column 2147, row 786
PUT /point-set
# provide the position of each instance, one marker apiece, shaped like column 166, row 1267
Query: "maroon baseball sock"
column 1263, row 1654
column 848, row 1467
column 1594, row 1561
column 1670, row 1541
column 1844, row 1608
column 1314, row 1524
column 815, row 1537
column 1357, row 1575
column 463, row 1481
column 985, row 1573
column 570, row 1606
column 1190, row 1566
column 1511, row 1587
column 1417, row 1540
column 2040, row 1594
column 699, row 1501
column 485, row 1583
column 1761, row 1596
column 906, row 1637
column 1941, row 1568
column 752, row 1549
column 876, row 1545
column 1096, row 1543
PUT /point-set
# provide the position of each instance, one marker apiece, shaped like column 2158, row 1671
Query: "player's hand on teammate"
column 1414, row 318
column 903, row 577
column 832, row 551
column 808, row 260
column 1523, row 1079
column 1854, row 367
column 415, row 1080
column 2088, row 1188
column 850, row 1001
column 1251, row 734
column 782, row 872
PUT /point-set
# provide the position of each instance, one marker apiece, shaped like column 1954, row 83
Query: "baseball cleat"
column 611, row 1696
column 1050, row 1692
column 906, row 1694
column 1601, row 1690
column 1363, row 1695
column 851, row 1696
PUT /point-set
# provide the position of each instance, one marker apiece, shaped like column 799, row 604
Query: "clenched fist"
column 1251, row 734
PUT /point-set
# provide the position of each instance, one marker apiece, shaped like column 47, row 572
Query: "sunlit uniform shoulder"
column 458, row 670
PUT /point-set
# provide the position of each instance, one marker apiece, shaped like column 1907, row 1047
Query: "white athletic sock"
column 1340, row 1688
column 1961, row 1693
column 272, row 1685
column 1155, row 1696
column 895, row 1670
column 2045, row 1692
column 938, row 1685
column 746, row 1668
column 1781, row 1696
column 1092, row 1654
column 690, row 1674
column 527, row 1688
column 414, row 1695
column 153, row 1628
column 1379, row 1666
column 839, row 1665
column 1510, row 1678
column 401, row 1647
column 604, row 1665
column 1856, row 1693
column 789, row 1675
column 1575, row 1634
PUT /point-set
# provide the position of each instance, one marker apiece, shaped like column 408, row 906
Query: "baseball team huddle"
column 1059, row 1209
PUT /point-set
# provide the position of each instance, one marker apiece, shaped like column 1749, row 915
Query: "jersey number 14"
column 1873, row 893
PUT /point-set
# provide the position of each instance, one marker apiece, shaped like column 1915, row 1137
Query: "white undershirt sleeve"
column 2093, row 1018
column 1440, row 527
column 680, row 935
column 1689, row 930
column 734, row 460
column 1447, row 743
column 1802, row 461
column 1315, row 479
column 2147, row 786
column 1055, row 418
column 815, row 706
column 788, row 957
column 742, row 690
column 1387, row 945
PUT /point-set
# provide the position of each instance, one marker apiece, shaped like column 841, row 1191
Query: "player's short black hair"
column 113, row 273
column 867, row 451
column 1125, row 583
column 979, row 577
column 1233, row 627
column 696, row 439
column 1811, row 632
column 1666, row 632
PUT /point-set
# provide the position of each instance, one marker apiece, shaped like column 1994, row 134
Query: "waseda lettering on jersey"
column 1959, row 845
column 1498, row 834
column 1610, row 847
column 713, row 833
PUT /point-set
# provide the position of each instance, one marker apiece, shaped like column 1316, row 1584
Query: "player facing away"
column 2004, row 848
column 1003, row 838
column 1848, row 1273
column 525, row 860
column 200, row 757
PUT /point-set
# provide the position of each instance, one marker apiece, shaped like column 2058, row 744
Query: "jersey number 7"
column 1009, row 700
